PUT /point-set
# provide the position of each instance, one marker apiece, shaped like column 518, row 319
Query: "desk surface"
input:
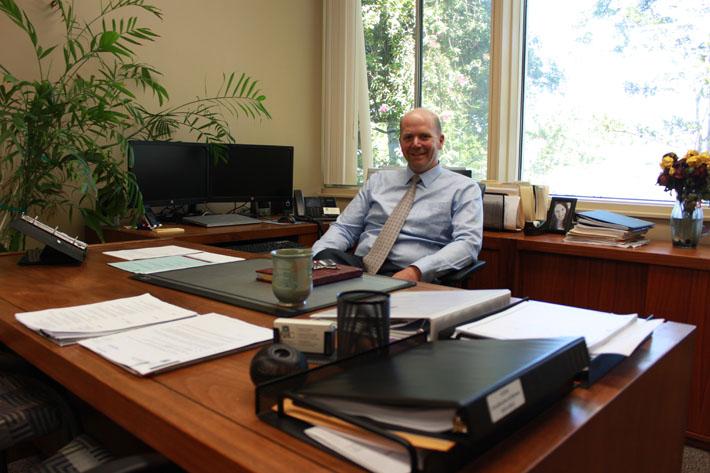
column 202, row 416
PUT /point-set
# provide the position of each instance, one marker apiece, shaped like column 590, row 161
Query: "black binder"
column 493, row 387
column 60, row 248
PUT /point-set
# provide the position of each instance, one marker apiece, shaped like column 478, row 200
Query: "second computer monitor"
column 253, row 173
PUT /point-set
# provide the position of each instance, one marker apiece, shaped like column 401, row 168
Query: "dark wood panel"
column 583, row 282
column 499, row 256
column 653, row 279
column 684, row 296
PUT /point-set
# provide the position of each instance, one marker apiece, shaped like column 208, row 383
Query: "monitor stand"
column 191, row 211
column 253, row 208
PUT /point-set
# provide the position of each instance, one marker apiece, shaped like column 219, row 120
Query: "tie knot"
column 415, row 179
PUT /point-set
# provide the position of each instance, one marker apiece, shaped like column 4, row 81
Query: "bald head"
column 423, row 113
column 421, row 139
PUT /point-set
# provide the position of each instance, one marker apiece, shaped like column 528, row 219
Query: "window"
column 450, row 45
column 609, row 87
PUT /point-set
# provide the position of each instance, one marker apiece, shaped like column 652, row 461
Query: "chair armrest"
column 455, row 277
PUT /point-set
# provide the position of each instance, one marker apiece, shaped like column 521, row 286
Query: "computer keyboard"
column 264, row 246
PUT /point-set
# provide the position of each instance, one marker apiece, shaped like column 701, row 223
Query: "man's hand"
column 410, row 273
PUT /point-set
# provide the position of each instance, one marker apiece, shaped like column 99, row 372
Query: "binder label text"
column 505, row 400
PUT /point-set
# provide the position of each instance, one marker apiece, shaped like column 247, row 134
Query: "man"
column 443, row 229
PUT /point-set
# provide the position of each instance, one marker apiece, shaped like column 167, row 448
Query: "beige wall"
column 277, row 42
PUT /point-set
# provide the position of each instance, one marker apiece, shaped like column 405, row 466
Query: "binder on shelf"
column 59, row 248
column 604, row 218
column 504, row 384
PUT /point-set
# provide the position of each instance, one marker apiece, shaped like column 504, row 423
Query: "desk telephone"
column 315, row 207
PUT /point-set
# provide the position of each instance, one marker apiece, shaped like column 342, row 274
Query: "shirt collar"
column 426, row 178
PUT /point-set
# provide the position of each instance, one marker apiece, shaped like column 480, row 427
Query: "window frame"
column 505, row 112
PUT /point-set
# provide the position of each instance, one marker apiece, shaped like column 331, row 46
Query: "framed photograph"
column 561, row 214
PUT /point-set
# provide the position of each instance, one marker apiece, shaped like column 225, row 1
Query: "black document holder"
column 466, row 448
column 59, row 248
column 235, row 283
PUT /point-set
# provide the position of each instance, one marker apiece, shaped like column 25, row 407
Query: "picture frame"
column 560, row 214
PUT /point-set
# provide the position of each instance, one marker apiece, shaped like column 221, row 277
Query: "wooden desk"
column 302, row 233
column 202, row 416
column 658, row 279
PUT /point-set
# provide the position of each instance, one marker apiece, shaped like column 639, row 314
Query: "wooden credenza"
column 303, row 233
column 655, row 279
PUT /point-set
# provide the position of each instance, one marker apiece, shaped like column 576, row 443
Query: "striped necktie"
column 390, row 231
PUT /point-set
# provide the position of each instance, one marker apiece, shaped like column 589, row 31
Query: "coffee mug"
column 292, row 280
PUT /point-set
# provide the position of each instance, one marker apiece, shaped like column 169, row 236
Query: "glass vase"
column 686, row 227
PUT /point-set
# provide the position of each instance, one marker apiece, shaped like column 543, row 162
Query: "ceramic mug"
column 292, row 280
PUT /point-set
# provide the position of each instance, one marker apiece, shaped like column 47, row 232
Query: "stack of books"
column 601, row 227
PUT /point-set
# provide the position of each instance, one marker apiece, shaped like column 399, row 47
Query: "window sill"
column 639, row 209
column 340, row 192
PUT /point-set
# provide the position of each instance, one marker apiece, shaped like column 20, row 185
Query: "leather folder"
column 320, row 276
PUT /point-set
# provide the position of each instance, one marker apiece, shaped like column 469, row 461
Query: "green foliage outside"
column 609, row 87
column 66, row 131
column 456, row 64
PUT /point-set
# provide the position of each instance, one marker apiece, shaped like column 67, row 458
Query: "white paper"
column 534, row 319
column 214, row 257
column 157, row 265
column 376, row 458
column 100, row 318
column 626, row 341
column 443, row 309
column 435, row 419
column 152, row 252
column 159, row 347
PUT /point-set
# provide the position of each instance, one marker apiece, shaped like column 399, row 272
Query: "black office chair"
column 459, row 277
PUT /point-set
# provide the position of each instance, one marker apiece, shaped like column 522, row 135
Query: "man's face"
column 420, row 142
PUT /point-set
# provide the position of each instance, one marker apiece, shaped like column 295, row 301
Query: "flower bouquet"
column 688, row 177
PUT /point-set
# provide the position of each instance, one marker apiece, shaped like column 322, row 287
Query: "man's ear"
column 441, row 141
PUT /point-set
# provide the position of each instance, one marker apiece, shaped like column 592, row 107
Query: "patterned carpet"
column 695, row 460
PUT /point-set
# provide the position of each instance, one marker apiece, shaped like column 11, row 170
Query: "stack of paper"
column 601, row 227
column 161, row 347
column 435, row 311
column 144, row 334
column 603, row 332
column 71, row 324
column 165, row 258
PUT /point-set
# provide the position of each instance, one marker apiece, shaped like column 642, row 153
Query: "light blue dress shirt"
column 443, row 231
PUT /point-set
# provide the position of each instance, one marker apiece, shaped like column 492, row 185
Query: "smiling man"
column 423, row 220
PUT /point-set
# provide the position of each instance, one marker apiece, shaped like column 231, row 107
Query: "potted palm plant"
column 66, row 131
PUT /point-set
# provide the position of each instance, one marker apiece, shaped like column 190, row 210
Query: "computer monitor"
column 253, row 173
column 171, row 172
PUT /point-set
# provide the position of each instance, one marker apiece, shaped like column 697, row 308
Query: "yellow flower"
column 691, row 152
column 666, row 162
column 692, row 160
column 704, row 158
